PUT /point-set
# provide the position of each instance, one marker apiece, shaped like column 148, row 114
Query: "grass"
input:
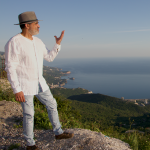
column 14, row 146
column 3, row 73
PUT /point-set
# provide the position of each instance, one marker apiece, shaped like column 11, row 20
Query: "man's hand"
column 58, row 40
column 20, row 97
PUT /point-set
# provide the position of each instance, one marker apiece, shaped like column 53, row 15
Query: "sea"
column 117, row 77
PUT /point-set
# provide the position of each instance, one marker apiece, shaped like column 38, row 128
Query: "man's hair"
column 22, row 26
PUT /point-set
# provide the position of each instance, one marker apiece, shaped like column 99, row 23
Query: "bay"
column 118, row 77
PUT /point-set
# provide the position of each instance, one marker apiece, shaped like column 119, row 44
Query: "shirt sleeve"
column 50, row 55
column 11, row 63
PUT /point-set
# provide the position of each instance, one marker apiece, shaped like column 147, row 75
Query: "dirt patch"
column 5, row 85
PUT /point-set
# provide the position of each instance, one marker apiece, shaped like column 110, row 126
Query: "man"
column 24, row 55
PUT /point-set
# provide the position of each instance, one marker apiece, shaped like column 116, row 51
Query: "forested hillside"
column 105, row 110
column 67, row 92
column 53, row 75
column 109, row 111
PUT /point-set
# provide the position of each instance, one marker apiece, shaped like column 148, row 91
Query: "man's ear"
column 27, row 26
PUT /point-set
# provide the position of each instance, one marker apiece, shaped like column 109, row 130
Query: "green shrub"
column 69, row 118
column 7, row 95
column 3, row 73
column 41, row 119
column 14, row 146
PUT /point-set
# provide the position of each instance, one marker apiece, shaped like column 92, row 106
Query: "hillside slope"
column 108, row 110
column 105, row 110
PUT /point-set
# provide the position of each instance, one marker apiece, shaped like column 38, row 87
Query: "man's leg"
column 49, row 101
column 28, row 119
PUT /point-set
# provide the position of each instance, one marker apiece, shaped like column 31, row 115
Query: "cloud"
column 142, row 30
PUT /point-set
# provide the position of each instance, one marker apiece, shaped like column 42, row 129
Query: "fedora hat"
column 27, row 17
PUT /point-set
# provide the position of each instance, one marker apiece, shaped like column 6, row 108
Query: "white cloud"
column 142, row 30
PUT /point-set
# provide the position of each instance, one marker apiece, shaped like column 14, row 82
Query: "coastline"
column 120, row 77
column 54, row 74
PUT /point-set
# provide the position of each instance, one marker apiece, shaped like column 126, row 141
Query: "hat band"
column 29, row 21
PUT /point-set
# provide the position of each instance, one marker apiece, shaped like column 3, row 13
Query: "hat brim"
column 28, row 22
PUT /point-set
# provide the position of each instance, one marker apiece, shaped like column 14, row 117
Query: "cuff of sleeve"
column 17, row 90
column 57, row 47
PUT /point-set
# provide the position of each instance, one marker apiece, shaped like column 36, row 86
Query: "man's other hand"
column 58, row 40
column 20, row 97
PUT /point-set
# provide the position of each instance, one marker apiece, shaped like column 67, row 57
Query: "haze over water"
column 118, row 77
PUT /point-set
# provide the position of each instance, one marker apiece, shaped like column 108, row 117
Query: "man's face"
column 34, row 28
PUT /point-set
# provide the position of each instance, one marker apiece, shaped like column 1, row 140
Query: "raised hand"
column 58, row 40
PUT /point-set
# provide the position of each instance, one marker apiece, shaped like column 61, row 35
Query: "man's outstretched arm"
column 50, row 55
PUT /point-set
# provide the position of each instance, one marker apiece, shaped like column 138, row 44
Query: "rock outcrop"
column 11, row 113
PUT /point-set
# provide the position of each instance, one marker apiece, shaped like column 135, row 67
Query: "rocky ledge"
column 83, row 139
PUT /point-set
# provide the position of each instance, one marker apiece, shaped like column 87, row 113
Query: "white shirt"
column 24, row 63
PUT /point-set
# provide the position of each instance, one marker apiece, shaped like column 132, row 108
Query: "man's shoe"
column 34, row 147
column 64, row 135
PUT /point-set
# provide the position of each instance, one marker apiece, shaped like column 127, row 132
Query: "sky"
column 93, row 28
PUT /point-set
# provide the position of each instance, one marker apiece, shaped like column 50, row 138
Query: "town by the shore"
column 54, row 76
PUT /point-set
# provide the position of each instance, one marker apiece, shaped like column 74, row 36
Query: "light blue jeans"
column 49, row 101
